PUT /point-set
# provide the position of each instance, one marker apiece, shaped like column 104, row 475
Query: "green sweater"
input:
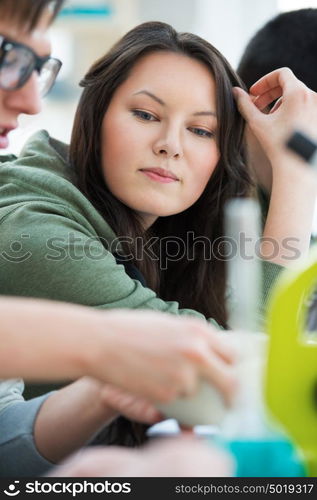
column 51, row 238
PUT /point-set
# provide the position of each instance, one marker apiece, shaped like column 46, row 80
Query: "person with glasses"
column 27, row 72
column 166, row 355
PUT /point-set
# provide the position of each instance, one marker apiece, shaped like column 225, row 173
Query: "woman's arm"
column 43, row 340
column 291, row 211
column 289, row 222
column 71, row 417
column 37, row 433
column 151, row 354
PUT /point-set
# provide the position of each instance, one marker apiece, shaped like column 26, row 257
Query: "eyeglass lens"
column 48, row 75
column 17, row 66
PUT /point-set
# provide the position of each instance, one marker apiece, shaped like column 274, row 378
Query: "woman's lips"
column 4, row 131
column 160, row 175
column 4, row 141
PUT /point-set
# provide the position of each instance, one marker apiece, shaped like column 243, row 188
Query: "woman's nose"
column 169, row 145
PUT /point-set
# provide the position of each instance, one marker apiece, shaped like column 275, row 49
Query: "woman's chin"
column 156, row 212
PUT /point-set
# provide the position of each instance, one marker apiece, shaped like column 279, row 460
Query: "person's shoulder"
column 40, row 170
column 41, row 180
column 41, row 155
column 45, row 155
column 7, row 158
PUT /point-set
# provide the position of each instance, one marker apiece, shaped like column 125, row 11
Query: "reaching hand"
column 295, row 108
column 129, row 405
column 160, row 357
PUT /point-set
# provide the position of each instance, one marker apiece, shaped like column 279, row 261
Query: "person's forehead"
column 37, row 38
column 180, row 71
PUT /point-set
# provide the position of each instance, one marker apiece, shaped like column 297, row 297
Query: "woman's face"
column 158, row 139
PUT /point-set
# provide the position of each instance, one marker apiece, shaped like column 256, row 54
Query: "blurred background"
column 86, row 29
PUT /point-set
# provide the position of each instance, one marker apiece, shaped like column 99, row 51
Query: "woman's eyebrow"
column 205, row 113
column 154, row 97
column 157, row 99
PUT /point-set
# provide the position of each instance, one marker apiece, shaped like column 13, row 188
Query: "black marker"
column 305, row 147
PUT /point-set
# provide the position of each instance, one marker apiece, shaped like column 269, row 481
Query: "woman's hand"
column 288, row 227
column 296, row 108
column 155, row 357
column 127, row 404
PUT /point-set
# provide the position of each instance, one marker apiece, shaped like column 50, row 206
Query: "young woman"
column 162, row 363
column 157, row 150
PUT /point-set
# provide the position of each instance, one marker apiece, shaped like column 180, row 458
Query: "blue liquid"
column 267, row 458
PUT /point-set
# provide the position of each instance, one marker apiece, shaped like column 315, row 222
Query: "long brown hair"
column 196, row 283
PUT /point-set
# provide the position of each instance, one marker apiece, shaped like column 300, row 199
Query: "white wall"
column 179, row 13
column 230, row 24
column 227, row 24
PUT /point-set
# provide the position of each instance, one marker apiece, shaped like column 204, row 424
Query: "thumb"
column 245, row 105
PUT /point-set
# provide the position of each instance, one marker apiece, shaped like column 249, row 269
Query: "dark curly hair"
column 289, row 39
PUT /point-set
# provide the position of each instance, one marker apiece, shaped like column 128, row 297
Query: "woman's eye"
column 144, row 115
column 202, row 132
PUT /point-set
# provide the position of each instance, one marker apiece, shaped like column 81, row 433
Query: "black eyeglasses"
column 17, row 63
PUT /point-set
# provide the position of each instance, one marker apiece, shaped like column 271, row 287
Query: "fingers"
column 206, row 337
column 269, row 88
column 282, row 77
column 131, row 406
column 158, row 384
column 265, row 99
column 221, row 376
column 221, row 347
column 278, row 83
column 245, row 104
column 276, row 105
column 214, row 361
column 216, row 366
